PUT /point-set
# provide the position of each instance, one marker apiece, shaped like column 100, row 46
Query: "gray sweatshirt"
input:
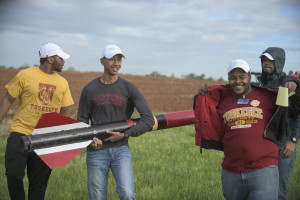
column 106, row 103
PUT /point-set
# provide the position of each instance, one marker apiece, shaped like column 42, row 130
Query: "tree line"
column 186, row 76
column 154, row 73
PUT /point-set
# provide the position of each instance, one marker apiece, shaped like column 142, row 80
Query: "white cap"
column 239, row 63
column 51, row 49
column 111, row 50
column 267, row 55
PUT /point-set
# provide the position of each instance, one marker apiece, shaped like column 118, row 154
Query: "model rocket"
column 57, row 139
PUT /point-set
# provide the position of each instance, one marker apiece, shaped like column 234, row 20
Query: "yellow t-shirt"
column 38, row 92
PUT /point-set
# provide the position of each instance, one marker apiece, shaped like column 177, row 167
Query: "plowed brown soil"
column 162, row 94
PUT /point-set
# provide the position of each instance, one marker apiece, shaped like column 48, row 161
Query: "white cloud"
column 172, row 37
column 71, row 39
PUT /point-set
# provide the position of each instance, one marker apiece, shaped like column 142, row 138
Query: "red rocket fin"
column 60, row 155
column 59, row 159
column 54, row 119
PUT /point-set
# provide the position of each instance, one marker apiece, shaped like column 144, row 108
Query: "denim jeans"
column 259, row 184
column 118, row 159
column 285, row 167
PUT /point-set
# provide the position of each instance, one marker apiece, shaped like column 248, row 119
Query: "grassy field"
column 167, row 166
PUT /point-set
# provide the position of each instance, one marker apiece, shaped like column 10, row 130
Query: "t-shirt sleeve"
column 15, row 86
column 67, row 98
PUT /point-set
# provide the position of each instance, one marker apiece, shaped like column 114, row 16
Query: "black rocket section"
column 52, row 139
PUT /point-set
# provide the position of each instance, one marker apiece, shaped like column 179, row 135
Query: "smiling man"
column 239, row 77
column 241, row 120
column 110, row 98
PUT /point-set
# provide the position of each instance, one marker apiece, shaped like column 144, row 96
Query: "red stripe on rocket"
column 57, row 139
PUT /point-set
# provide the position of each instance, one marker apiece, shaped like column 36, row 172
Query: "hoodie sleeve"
column 296, row 128
column 294, row 107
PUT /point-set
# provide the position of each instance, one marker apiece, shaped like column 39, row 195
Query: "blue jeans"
column 259, row 184
column 285, row 167
column 118, row 159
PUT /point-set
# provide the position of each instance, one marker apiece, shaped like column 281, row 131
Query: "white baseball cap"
column 51, row 49
column 111, row 50
column 267, row 55
column 239, row 63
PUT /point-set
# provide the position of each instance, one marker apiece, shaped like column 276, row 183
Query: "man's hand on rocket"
column 115, row 136
column 97, row 143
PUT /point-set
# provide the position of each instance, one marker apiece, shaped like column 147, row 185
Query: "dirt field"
column 163, row 94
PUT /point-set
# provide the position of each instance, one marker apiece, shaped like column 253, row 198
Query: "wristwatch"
column 294, row 139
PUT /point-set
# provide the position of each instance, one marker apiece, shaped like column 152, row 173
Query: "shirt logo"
column 242, row 117
column 109, row 99
column 255, row 103
column 46, row 94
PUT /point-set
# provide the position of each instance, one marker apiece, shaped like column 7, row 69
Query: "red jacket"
column 209, row 125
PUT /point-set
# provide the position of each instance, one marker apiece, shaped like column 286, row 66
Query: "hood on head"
column 279, row 59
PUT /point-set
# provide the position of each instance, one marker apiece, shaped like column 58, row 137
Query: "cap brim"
column 267, row 55
column 112, row 55
column 246, row 70
column 63, row 55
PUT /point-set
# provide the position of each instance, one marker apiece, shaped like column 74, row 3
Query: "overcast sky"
column 171, row 37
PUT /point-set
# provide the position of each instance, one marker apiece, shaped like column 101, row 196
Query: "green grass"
column 167, row 166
